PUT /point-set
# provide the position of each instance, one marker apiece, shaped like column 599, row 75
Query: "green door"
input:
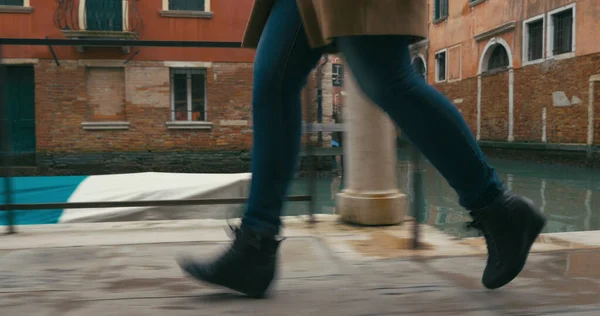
column 104, row 15
column 20, row 101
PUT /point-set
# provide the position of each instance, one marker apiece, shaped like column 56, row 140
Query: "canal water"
column 568, row 196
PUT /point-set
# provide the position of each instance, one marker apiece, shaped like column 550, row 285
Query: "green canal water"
column 569, row 196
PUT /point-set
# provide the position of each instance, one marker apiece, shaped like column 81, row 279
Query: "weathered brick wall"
column 105, row 90
column 63, row 102
column 529, row 104
column 464, row 96
column 494, row 107
column 60, row 105
column 534, row 86
column 533, row 90
column 67, row 97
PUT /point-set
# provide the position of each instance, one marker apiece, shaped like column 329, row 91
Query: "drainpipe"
column 322, row 63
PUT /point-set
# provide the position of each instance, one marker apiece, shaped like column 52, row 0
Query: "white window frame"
column 165, row 5
column 188, row 72
column 459, row 64
column 437, row 70
column 550, row 32
column 525, row 45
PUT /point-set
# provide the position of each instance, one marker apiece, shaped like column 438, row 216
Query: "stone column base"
column 372, row 209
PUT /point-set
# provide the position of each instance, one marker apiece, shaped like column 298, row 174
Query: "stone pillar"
column 371, row 195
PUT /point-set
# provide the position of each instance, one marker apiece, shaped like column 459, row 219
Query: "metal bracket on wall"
column 132, row 56
column 53, row 54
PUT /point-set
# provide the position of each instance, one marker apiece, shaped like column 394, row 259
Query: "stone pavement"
column 329, row 269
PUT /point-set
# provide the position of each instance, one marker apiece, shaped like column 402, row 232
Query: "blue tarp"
column 39, row 190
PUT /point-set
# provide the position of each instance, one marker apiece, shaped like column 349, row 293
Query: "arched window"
column 419, row 66
column 498, row 58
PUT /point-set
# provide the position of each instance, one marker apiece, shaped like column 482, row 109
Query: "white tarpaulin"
column 156, row 186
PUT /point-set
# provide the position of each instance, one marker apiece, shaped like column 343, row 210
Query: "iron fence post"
column 417, row 201
column 6, row 150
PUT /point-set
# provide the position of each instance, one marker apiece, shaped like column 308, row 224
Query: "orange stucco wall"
column 464, row 22
column 227, row 24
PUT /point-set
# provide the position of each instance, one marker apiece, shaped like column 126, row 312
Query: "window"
column 13, row 2
column 419, row 67
column 498, row 58
column 533, row 39
column 561, row 31
column 440, row 66
column 440, row 9
column 188, row 95
column 337, row 75
column 187, row 5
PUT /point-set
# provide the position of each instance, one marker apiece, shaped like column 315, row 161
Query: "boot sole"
column 199, row 279
column 538, row 222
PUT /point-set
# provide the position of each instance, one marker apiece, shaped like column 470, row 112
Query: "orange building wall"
column 533, row 85
column 227, row 24
column 464, row 22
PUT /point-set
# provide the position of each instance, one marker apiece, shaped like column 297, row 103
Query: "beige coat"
column 325, row 19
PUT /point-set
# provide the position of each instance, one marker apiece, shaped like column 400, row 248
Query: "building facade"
column 111, row 100
column 518, row 70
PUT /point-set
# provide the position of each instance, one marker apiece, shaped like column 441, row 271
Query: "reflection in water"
column 588, row 209
column 543, row 195
column 509, row 181
column 566, row 195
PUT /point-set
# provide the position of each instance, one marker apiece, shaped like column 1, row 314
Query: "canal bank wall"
column 92, row 163
column 235, row 161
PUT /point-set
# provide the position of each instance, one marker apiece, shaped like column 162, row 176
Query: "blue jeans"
column 382, row 68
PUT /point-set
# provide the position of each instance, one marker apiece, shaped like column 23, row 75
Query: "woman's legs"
column 283, row 61
column 510, row 223
column 425, row 115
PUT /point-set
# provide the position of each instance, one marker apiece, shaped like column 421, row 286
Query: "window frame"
column 441, row 17
column 525, row 46
column 165, row 6
column 460, row 64
column 26, row 4
column 25, row 8
column 550, row 32
column 437, row 66
column 490, row 70
column 473, row 3
column 188, row 72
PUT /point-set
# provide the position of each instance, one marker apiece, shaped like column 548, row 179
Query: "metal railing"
column 9, row 207
column 98, row 15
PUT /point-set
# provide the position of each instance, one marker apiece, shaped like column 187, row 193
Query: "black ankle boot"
column 248, row 266
column 510, row 225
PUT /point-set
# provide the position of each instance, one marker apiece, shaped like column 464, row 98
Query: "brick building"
column 98, row 105
column 518, row 70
